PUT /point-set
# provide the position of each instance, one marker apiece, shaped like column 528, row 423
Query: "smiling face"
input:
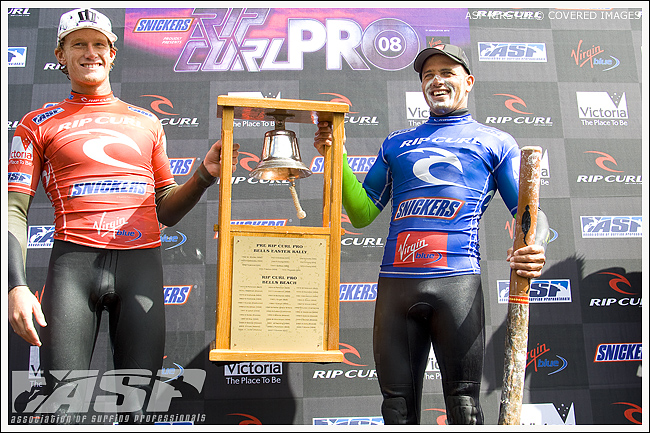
column 445, row 84
column 87, row 55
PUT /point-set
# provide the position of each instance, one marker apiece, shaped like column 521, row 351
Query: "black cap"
column 452, row 51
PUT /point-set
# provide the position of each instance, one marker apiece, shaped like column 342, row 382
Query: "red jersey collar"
column 91, row 99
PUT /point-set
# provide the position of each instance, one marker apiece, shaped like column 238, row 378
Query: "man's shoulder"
column 40, row 115
column 400, row 132
column 137, row 110
column 492, row 131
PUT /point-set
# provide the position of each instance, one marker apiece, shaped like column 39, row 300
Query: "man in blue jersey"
column 440, row 177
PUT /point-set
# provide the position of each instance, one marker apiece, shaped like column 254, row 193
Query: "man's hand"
column 212, row 159
column 527, row 261
column 324, row 137
column 22, row 304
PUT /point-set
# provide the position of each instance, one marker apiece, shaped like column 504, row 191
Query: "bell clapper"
column 296, row 202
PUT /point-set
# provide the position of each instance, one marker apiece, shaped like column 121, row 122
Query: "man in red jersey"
column 104, row 167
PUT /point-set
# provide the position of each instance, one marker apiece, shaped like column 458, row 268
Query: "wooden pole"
column 516, row 344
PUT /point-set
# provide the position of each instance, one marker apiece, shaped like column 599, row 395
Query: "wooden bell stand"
column 278, row 287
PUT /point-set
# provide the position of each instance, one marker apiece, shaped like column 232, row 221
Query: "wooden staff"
column 516, row 346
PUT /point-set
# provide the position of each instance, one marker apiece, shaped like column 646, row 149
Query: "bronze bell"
column 280, row 158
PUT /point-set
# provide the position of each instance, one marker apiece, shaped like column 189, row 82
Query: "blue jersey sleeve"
column 507, row 176
column 378, row 181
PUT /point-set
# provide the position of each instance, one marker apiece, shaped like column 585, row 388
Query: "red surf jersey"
column 99, row 160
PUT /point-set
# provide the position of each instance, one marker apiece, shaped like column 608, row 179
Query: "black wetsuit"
column 410, row 314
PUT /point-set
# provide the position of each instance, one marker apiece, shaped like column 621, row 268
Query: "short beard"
column 440, row 108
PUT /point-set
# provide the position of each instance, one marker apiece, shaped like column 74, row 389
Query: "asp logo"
column 40, row 237
column 18, row 178
column 17, row 57
column 42, row 117
column 76, row 389
column 541, row 291
column 611, row 226
column 511, row 52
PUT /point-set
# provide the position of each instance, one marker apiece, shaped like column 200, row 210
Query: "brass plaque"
column 278, row 293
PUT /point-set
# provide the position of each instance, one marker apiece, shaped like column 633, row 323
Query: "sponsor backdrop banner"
column 568, row 80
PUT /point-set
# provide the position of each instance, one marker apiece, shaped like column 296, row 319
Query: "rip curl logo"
column 510, row 103
column 416, row 249
column 95, row 147
column 247, row 419
column 345, row 349
column 600, row 161
column 613, row 283
column 634, row 409
column 422, row 167
column 161, row 100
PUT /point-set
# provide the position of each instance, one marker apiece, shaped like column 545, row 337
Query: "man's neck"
column 101, row 89
column 459, row 112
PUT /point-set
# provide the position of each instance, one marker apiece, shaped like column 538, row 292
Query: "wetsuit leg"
column 81, row 283
column 409, row 315
column 458, row 335
column 137, row 323
column 401, row 347
column 73, row 322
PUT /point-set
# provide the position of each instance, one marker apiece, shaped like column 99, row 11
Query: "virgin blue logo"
column 536, row 357
column 175, row 240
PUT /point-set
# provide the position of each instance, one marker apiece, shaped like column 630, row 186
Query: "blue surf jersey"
column 440, row 176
